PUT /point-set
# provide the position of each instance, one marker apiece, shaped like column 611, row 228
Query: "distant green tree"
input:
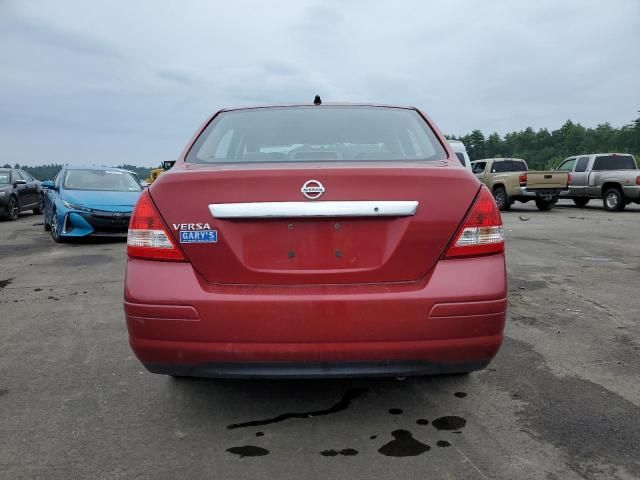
column 545, row 149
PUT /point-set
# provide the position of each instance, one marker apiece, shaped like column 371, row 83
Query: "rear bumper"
column 450, row 322
column 314, row 369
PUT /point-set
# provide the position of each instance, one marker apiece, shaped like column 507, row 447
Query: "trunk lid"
column 327, row 250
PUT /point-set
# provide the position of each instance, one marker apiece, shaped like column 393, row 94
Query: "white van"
column 461, row 152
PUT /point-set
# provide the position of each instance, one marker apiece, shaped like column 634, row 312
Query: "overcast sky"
column 129, row 82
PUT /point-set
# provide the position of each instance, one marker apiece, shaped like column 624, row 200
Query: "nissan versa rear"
column 316, row 240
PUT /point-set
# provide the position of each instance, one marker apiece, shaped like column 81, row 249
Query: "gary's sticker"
column 201, row 236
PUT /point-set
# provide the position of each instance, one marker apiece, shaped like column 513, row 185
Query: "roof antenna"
column 317, row 100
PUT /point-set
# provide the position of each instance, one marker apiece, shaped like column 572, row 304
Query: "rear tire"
column 501, row 198
column 544, row 205
column 581, row 202
column 613, row 200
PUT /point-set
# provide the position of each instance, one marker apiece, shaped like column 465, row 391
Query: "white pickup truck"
column 613, row 177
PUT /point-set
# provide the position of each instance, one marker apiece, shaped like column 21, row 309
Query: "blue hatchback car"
column 89, row 201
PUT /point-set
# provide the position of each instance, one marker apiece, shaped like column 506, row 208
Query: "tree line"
column 49, row 172
column 544, row 149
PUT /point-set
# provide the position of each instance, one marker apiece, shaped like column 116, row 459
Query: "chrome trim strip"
column 367, row 208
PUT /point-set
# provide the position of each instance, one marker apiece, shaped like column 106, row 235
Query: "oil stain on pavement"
column 343, row 404
column 347, row 452
column 248, row 451
column 403, row 445
column 449, row 423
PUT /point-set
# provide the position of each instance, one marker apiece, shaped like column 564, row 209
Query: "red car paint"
column 330, row 296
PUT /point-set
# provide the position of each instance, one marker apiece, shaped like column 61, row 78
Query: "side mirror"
column 48, row 185
column 20, row 182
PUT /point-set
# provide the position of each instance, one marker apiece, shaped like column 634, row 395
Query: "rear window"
column 614, row 162
column 317, row 134
column 518, row 166
column 5, row 177
column 499, row 167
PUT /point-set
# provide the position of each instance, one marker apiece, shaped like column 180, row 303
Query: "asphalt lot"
column 561, row 400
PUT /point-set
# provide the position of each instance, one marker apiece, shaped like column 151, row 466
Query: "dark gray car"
column 19, row 192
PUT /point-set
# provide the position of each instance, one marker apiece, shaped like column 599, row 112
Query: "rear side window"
column 614, row 162
column 317, row 134
column 581, row 166
column 479, row 167
column 26, row 176
column 567, row 165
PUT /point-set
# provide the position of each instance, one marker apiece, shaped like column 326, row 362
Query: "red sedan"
column 316, row 240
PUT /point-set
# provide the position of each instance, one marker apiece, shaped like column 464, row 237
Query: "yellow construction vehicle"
column 155, row 173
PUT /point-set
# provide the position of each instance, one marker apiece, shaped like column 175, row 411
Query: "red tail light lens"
column 482, row 232
column 148, row 237
column 638, row 180
column 568, row 179
column 523, row 179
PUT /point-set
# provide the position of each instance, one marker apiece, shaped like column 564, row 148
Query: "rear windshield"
column 101, row 180
column 508, row 166
column 317, row 134
column 614, row 162
column 5, row 176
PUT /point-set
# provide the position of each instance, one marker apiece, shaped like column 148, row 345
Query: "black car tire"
column 544, row 205
column 40, row 208
column 581, row 202
column 613, row 200
column 501, row 198
column 12, row 209
column 55, row 229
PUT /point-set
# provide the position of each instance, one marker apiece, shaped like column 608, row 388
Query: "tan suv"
column 510, row 180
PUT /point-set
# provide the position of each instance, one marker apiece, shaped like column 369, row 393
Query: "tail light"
column 638, row 180
column 568, row 179
column 523, row 179
column 482, row 232
column 148, row 237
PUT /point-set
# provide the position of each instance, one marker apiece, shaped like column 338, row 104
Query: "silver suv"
column 613, row 177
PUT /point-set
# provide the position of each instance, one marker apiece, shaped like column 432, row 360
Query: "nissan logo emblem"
column 312, row 189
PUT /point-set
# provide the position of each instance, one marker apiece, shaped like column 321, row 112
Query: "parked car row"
column 612, row 177
column 80, row 202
